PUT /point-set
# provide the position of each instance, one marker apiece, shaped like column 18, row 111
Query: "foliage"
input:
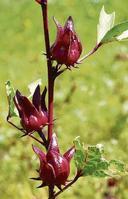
column 91, row 161
column 10, row 94
column 107, row 32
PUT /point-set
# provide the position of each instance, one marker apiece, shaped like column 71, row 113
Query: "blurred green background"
column 91, row 101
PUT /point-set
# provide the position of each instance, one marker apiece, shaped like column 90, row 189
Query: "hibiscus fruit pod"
column 67, row 47
column 54, row 167
column 33, row 114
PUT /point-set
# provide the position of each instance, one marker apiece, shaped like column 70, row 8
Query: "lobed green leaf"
column 80, row 154
column 91, row 161
column 10, row 95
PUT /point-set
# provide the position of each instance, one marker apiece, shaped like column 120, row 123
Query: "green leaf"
column 96, row 165
column 91, row 161
column 107, row 32
column 117, row 33
column 106, row 22
column 118, row 165
column 10, row 95
column 80, row 154
column 32, row 86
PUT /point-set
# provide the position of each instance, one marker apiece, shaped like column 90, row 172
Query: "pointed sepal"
column 60, row 30
column 69, row 25
column 38, row 178
column 69, row 154
column 24, row 105
column 36, row 100
column 40, row 154
column 53, row 146
column 42, row 185
column 43, row 96
column 59, row 187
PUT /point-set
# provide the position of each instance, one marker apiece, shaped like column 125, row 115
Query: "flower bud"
column 33, row 114
column 67, row 47
column 54, row 167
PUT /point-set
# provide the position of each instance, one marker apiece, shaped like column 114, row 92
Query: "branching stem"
column 24, row 132
column 90, row 53
column 32, row 136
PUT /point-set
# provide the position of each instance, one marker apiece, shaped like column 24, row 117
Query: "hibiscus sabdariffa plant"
column 35, row 115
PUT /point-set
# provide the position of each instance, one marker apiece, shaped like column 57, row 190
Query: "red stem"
column 50, row 77
column 49, row 66
column 51, row 192
column 90, row 53
column 50, row 108
column 30, row 135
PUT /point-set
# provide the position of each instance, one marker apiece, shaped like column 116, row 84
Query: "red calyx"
column 67, row 47
column 33, row 114
column 54, row 167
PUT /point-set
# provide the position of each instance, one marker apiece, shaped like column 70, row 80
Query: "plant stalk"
column 90, row 53
column 41, row 134
column 51, row 192
column 44, row 7
column 49, row 66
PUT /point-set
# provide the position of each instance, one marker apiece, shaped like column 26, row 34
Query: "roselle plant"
column 36, row 115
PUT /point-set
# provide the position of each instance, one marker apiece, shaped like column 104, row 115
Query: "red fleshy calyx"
column 67, row 47
column 33, row 114
column 54, row 167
